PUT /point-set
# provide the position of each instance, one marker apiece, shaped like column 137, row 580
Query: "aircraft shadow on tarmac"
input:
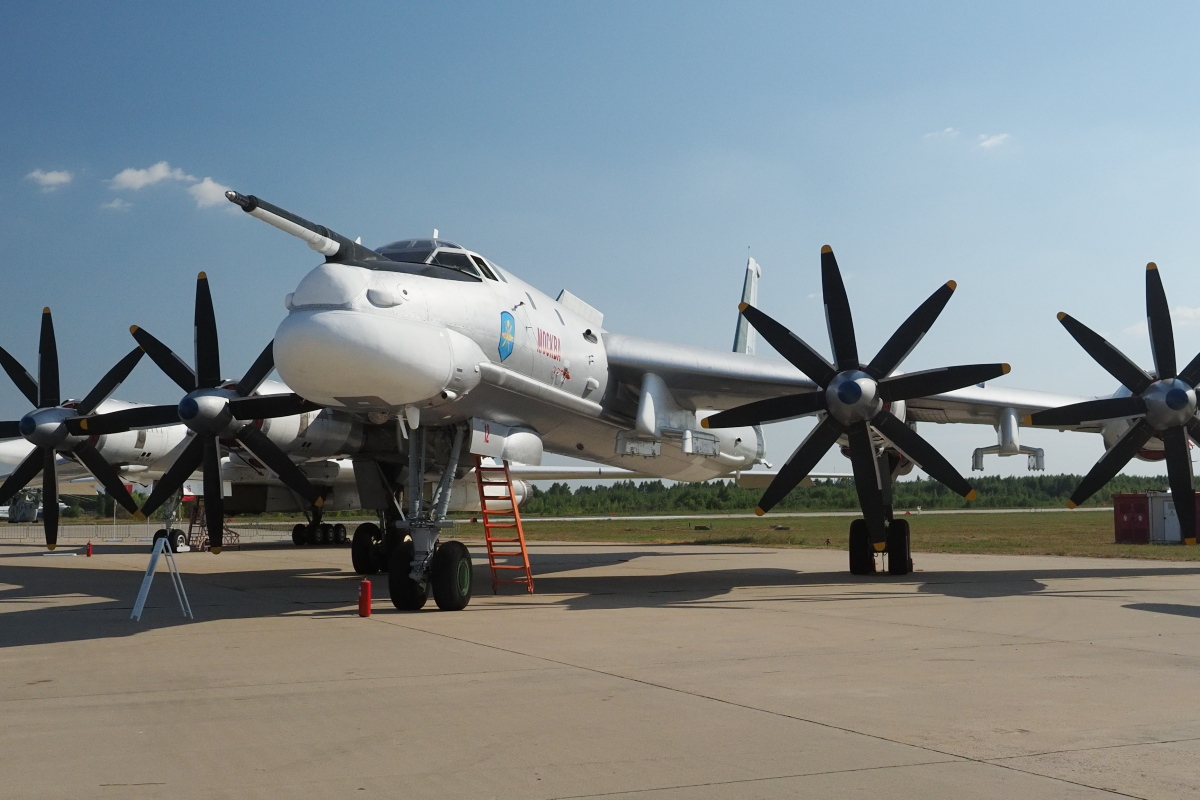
column 77, row 601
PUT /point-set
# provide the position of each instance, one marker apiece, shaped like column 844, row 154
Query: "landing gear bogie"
column 451, row 576
column 406, row 594
column 366, row 550
column 898, row 548
column 862, row 553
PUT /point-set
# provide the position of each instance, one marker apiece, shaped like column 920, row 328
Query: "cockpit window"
column 455, row 259
column 411, row 251
column 483, row 267
column 428, row 257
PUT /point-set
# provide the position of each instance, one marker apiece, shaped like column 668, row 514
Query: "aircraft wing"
column 700, row 378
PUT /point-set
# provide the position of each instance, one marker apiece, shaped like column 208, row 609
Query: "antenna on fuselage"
column 435, row 233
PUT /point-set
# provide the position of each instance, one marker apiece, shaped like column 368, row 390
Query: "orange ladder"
column 506, row 552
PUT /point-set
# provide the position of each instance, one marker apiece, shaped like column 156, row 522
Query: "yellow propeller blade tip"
column 1190, row 542
column 46, row 309
column 1061, row 315
column 952, row 284
column 83, row 423
column 971, row 495
column 139, row 516
column 880, row 546
column 203, row 276
column 1006, row 369
column 704, row 423
column 320, row 502
column 52, row 546
column 743, row 306
column 1072, row 504
column 133, row 328
column 758, row 510
column 1027, row 420
column 1151, row 266
column 826, row 249
column 216, row 551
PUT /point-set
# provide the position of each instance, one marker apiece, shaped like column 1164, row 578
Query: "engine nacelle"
column 315, row 434
column 464, row 495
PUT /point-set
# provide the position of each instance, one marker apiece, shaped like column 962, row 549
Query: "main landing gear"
column 897, row 548
column 316, row 532
column 408, row 544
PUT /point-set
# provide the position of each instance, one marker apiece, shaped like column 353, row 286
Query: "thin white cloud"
column 992, row 141
column 117, row 204
column 131, row 178
column 208, row 193
column 1181, row 317
column 946, row 133
column 49, row 181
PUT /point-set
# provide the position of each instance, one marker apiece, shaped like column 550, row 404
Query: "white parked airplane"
column 405, row 360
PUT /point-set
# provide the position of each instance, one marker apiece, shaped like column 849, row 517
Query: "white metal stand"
column 162, row 546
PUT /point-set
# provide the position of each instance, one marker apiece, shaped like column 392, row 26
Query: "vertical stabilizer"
column 743, row 337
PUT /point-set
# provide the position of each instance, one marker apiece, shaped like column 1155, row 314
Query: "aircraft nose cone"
column 359, row 360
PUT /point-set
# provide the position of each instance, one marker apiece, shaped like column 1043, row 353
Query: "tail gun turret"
column 332, row 245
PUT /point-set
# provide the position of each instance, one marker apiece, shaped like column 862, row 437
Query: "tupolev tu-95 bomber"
column 402, row 363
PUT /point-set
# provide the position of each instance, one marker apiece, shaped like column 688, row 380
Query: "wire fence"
column 142, row 531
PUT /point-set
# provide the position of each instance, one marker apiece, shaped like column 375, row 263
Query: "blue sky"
column 630, row 152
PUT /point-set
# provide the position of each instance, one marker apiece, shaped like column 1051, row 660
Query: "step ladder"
column 502, row 530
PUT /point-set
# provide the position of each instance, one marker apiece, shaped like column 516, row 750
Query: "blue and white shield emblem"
column 508, row 334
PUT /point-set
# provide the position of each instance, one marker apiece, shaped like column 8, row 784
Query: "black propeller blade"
column 1165, row 405
column 852, row 398
column 213, row 410
column 50, row 428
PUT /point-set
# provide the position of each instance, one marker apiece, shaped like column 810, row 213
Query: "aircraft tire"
column 862, row 560
column 406, row 594
column 898, row 549
column 158, row 534
column 326, row 531
column 312, row 535
column 339, row 534
column 176, row 540
column 366, row 539
column 298, row 534
column 451, row 576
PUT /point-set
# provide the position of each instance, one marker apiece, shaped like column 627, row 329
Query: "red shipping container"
column 1131, row 516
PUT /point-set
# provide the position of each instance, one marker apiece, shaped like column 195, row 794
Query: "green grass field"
column 1056, row 534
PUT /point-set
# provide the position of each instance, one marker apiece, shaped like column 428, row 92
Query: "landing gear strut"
column 418, row 561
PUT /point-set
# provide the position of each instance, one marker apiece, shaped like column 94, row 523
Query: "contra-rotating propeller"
column 856, row 398
column 46, row 428
column 213, row 410
column 1165, row 404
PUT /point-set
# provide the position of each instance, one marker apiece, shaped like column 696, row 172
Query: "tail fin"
column 743, row 337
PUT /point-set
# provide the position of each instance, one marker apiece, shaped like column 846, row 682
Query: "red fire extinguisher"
column 364, row 598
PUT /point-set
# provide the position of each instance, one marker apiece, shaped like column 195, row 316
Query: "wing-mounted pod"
column 335, row 247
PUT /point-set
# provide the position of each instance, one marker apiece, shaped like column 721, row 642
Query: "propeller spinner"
column 47, row 428
column 1165, row 405
column 213, row 410
column 854, row 399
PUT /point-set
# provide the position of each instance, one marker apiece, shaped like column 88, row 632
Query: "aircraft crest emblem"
column 508, row 334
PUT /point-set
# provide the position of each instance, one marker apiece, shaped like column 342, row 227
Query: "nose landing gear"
column 408, row 543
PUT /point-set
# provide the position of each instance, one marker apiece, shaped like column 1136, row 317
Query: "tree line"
column 655, row 497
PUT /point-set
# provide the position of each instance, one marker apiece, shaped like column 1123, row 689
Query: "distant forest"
column 654, row 497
